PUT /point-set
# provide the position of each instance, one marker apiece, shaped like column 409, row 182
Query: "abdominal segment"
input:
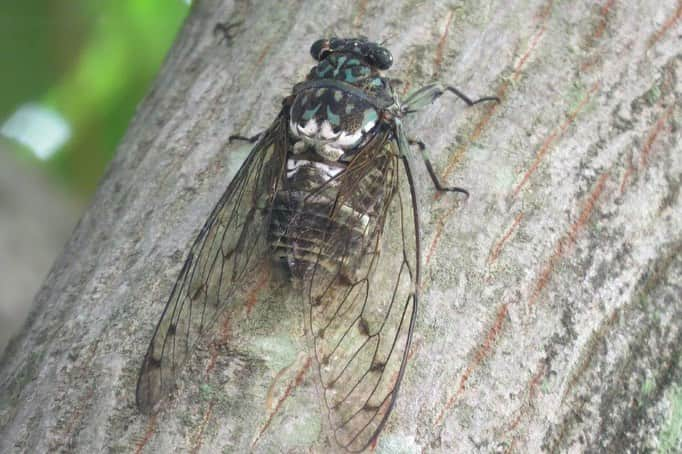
column 314, row 225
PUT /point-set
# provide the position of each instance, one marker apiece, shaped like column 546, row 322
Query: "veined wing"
column 362, row 306
column 232, row 242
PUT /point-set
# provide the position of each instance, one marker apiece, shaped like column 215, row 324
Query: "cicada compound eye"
column 320, row 49
column 382, row 58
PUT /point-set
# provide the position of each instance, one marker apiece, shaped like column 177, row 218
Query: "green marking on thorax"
column 334, row 119
column 339, row 64
column 349, row 76
column 369, row 116
column 349, row 108
column 338, row 96
column 325, row 69
column 310, row 113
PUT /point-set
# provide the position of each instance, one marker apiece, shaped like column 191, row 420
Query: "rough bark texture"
column 551, row 316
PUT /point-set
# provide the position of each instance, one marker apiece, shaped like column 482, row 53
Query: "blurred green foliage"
column 90, row 61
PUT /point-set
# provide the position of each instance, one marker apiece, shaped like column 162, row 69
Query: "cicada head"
column 354, row 61
column 372, row 53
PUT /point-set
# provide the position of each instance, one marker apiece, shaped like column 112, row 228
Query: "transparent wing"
column 363, row 304
column 231, row 243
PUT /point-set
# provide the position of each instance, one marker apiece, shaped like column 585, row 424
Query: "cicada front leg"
column 419, row 99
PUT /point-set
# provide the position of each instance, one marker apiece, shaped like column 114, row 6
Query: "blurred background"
column 72, row 75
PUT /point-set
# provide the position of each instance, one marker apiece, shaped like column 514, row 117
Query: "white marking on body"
column 346, row 140
column 327, row 132
column 294, row 165
column 364, row 219
column 310, row 128
column 368, row 126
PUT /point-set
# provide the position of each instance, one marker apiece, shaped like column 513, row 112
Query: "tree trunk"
column 551, row 316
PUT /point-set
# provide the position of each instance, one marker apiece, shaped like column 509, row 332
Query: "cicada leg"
column 466, row 99
column 432, row 173
column 427, row 94
column 419, row 99
column 253, row 139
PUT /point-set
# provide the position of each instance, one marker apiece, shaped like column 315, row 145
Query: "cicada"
column 329, row 193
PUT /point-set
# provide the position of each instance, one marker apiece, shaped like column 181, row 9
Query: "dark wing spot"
column 345, row 280
column 154, row 362
column 363, row 326
column 378, row 366
column 199, row 289
column 368, row 407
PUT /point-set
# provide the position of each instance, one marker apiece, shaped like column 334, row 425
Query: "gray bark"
column 551, row 317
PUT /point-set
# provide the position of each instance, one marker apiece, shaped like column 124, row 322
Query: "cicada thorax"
column 336, row 144
column 338, row 108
